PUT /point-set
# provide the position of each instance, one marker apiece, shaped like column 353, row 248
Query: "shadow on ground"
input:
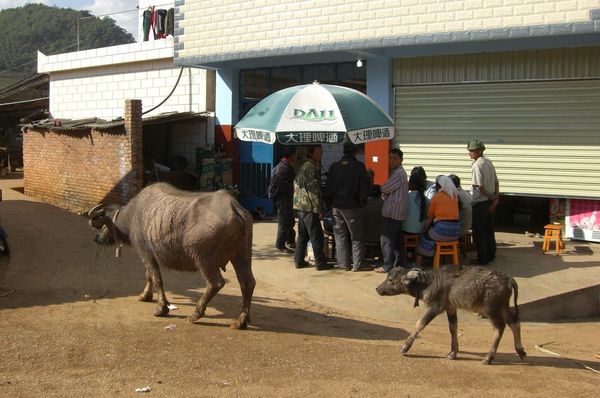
column 513, row 359
column 55, row 261
column 281, row 316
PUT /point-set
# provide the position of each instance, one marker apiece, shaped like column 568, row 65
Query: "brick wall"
column 76, row 169
column 232, row 26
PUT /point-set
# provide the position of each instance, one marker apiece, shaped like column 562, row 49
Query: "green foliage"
column 51, row 30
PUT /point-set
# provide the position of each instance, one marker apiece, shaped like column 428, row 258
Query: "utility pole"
column 78, row 19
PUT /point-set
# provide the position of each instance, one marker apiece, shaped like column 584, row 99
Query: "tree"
column 51, row 30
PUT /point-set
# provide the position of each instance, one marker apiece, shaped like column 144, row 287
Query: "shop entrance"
column 258, row 159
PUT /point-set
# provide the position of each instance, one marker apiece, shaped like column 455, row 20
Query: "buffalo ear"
column 99, row 222
column 414, row 275
column 96, row 222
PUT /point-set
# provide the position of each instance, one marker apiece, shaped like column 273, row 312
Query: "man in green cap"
column 486, row 193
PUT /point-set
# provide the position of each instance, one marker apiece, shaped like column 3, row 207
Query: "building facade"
column 89, row 90
column 520, row 76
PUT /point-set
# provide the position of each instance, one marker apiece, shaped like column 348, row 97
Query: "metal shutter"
column 543, row 136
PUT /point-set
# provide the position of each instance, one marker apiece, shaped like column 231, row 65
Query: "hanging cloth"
column 161, row 23
column 171, row 22
column 147, row 22
column 154, row 18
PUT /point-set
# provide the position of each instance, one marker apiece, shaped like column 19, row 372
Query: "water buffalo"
column 479, row 289
column 185, row 231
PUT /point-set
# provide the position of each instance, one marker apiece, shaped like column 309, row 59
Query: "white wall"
column 101, row 91
column 234, row 26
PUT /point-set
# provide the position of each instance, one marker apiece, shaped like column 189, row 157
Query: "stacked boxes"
column 207, row 178
column 214, row 170
column 223, row 176
column 227, row 174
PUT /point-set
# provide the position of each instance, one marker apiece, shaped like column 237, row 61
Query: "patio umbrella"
column 315, row 114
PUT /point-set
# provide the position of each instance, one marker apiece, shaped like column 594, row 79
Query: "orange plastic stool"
column 466, row 243
column 445, row 249
column 412, row 241
column 553, row 232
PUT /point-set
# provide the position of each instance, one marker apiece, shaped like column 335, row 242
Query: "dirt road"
column 74, row 328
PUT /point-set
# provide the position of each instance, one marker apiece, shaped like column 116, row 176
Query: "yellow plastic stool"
column 410, row 240
column 445, row 249
column 466, row 243
column 553, row 232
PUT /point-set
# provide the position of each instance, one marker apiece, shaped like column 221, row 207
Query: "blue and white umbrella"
column 315, row 114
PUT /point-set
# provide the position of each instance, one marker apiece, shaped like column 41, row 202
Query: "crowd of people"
column 435, row 211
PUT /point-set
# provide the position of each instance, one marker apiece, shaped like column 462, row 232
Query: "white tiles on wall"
column 230, row 26
column 102, row 91
column 125, row 53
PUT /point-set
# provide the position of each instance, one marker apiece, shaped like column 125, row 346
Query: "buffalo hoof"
column 161, row 311
column 193, row 318
column 522, row 354
column 145, row 298
column 487, row 361
column 404, row 349
column 239, row 325
column 451, row 355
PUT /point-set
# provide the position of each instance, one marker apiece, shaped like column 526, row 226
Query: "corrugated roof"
column 101, row 124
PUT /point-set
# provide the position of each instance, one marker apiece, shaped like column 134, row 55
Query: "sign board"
column 310, row 137
column 371, row 134
column 254, row 135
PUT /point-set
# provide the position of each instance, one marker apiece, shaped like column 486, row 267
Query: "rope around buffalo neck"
column 118, row 242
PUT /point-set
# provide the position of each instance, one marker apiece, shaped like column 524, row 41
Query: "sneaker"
column 285, row 250
column 301, row 265
column 344, row 268
column 323, row 267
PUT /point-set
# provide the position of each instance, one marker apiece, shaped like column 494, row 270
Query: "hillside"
column 51, row 30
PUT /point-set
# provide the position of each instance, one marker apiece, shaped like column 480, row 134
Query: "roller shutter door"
column 543, row 137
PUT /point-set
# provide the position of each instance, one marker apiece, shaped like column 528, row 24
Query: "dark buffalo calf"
column 477, row 289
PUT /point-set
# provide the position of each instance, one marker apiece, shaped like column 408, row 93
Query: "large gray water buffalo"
column 185, row 231
column 478, row 289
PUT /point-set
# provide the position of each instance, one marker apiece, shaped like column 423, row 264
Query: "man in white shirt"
column 486, row 193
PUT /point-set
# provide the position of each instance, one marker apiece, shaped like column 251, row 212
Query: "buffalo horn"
column 96, row 211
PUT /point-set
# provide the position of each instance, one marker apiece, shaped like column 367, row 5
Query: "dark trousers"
column 350, row 226
column 309, row 229
column 285, row 220
column 392, row 243
column 483, row 232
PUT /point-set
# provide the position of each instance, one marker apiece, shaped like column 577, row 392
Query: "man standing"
column 308, row 201
column 281, row 192
column 485, row 193
column 395, row 201
column 347, row 191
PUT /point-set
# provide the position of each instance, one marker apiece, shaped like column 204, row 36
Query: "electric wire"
column 168, row 96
